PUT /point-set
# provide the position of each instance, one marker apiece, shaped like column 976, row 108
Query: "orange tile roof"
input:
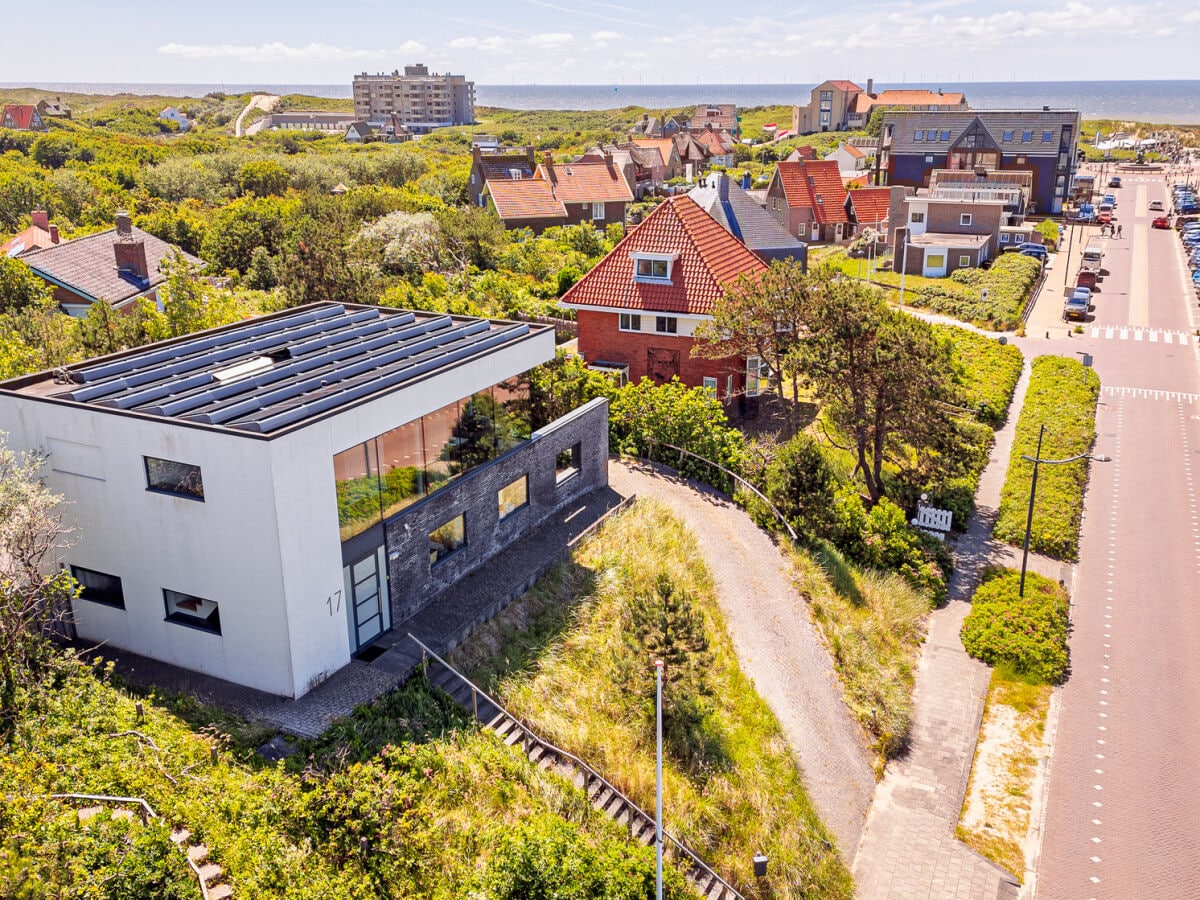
column 863, row 180
column 19, row 114
column 589, row 182
column 863, row 103
column 32, row 238
column 527, row 198
column 815, row 185
column 707, row 258
column 802, row 151
column 871, row 204
column 664, row 146
column 853, row 151
column 845, row 85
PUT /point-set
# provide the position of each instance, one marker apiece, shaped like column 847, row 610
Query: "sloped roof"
column 32, row 238
column 739, row 214
column 815, row 185
column 870, row 204
column 500, row 165
column 717, row 142
column 664, row 146
column 589, row 182
column 87, row 265
column 862, row 180
column 648, row 125
column 802, row 151
column 852, row 150
column 525, row 198
column 20, row 114
column 864, row 103
column 998, row 122
column 845, row 85
column 707, row 257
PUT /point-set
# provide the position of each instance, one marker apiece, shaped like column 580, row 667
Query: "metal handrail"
column 147, row 811
column 736, row 477
column 588, row 772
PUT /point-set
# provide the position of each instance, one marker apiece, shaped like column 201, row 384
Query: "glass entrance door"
column 366, row 591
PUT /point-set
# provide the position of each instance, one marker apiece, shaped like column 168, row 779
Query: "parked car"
column 1085, row 293
column 1161, row 222
column 1075, row 308
column 1037, row 250
column 1115, row 181
column 1104, row 216
column 1156, row 206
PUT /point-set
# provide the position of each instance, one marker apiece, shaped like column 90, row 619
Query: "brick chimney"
column 54, row 234
column 130, row 250
column 39, row 218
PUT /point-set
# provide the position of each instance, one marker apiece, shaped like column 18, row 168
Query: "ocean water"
column 1175, row 102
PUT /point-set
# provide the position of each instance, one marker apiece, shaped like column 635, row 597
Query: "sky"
column 600, row 42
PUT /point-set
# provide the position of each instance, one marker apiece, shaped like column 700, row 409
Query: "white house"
column 260, row 501
column 179, row 118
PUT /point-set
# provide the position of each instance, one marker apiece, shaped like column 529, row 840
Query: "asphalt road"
column 1122, row 818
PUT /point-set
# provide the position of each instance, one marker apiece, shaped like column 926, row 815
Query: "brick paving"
column 908, row 848
column 776, row 643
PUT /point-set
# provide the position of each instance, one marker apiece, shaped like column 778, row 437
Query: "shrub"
column 800, row 481
column 1062, row 396
column 1026, row 634
column 986, row 371
column 1008, row 282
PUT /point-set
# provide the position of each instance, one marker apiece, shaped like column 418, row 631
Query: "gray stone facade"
column 414, row 581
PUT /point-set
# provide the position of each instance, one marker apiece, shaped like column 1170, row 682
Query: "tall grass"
column 561, row 658
column 874, row 624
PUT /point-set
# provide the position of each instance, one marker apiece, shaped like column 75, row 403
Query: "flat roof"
column 264, row 375
column 940, row 239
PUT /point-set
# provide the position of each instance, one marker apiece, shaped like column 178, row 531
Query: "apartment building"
column 424, row 101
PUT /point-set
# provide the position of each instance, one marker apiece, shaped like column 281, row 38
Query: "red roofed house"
column 515, row 164
column 870, row 207
column 849, row 158
column 801, row 152
column 22, row 118
column 842, row 105
column 592, row 189
column 921, row 101
column 808, row 199
column 639, row 306
column 827, row 107
column 40, row 233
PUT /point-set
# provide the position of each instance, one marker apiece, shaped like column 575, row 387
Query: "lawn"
column 1062, row 396
column 564, row 657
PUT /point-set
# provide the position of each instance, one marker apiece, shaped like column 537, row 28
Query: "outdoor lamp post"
column 1037, row 461
column 658, row 878
column 760, row 866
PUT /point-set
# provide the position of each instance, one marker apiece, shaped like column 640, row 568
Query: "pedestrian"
column 1118, row 231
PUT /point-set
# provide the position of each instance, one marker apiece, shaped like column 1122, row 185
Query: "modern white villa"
column 259, row 502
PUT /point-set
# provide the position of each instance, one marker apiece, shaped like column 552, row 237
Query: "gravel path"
column 776, row 644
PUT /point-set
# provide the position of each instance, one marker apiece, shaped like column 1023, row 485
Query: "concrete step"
column 211, row 873
column 180, row 836
column 121, row 813
column 197, row 853
column 220, row 892
column 89, row 812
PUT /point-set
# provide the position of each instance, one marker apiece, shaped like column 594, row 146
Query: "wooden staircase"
column 603, row 795
column 209, row 875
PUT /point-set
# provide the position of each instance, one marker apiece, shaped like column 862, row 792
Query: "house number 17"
column 334, row 602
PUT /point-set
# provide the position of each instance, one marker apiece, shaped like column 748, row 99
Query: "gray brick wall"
column 413, row 581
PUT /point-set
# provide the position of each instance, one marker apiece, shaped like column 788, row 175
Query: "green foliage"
column 1048, row 229
column 1062, row 396
column 644, row 417
column 1008, row 282
column 1027, row 635
column 800, row 481
column 262, row 178
column 20, row 289
column 236, row 230
column 986, row 370
column 563, row 384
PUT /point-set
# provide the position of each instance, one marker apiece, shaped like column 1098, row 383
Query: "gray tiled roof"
column 739, row 214
column 88, row 265
column 997, row 122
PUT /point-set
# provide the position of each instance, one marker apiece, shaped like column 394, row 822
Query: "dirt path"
column 776, row 644
column 265, row 102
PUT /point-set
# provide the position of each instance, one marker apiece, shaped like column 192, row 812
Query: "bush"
column 986, row 371
column 1008, row 282
column 800, row 481
column 1028, row 635
column 1062, row 396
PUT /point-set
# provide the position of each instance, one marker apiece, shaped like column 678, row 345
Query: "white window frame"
column 629, row 322
column 598, row 211
column 754, row 376
column 964, row 261
column 929, row 160
column 668, row 258
column 710, row 384
column 916, row 218
column 666, row 325
column 1004, row 237
column 964, row 219
column 802, row 229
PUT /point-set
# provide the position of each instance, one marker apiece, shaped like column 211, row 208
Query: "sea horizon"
column 1175, row 101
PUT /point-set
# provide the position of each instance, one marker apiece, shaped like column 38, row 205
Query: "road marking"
column 1139, row 285
column 1138, row 335
column 1149, row 394
column 1108, row 333
column 1154, row 337
column 1125, row 334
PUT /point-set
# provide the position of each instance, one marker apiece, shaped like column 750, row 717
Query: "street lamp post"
column 658, row 843
column 903, row 264
column 1037, row 461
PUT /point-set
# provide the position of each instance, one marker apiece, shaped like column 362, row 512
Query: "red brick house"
column 869, row 207
column 22, row 117
column 39, row 234
column 808, row 199
column 638, row 308
column 592, row 189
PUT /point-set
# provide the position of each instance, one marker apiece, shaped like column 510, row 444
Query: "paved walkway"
column 776, row 643
column 908, row 848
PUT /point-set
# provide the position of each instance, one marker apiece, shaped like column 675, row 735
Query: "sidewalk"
column 908, row 847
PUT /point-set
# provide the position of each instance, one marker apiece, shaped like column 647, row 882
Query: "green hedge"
column 1027, row 635
column 1009, row 282
column 987, row 372
column 1062, row 395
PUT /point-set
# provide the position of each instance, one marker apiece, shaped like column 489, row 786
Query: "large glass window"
column 447, row 538
column 196, row 612
column 99, row 587
column 170, row 477
column 513, row 496
column 382, row 476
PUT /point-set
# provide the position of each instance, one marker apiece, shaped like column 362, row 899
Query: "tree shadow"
column 840, row 575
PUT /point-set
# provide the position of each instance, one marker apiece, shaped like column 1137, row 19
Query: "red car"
column 1104, row 217
column 1161, row 222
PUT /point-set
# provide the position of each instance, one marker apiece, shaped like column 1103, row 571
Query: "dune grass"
column 562, row 658
column 874, row 624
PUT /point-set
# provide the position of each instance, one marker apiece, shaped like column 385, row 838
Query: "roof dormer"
column 653, row 268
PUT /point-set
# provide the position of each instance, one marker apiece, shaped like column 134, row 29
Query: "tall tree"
column 882, row 377
column 763, row 315
column 34, row 592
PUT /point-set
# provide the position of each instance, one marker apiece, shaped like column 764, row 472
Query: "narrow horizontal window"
column 193, row 611
column 99, row 587
column 170, row 477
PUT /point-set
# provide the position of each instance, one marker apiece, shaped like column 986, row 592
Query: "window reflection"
column 379, row 478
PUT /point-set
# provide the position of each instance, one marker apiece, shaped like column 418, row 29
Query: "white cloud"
column 277, row 51
column 491, row 44
column 551, row 39
column 606, row 35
